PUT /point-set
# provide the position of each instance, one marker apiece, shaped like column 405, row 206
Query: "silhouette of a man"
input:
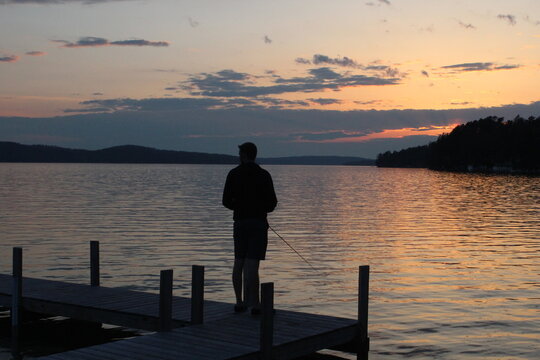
column 249, row 192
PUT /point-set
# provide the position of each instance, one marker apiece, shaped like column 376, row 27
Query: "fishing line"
column 293, row 249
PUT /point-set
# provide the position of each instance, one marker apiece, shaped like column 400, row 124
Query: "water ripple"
column 454, row 257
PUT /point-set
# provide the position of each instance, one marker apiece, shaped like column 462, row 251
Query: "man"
column 249, row 192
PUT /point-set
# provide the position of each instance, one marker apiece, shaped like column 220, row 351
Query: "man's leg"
column 251, row 277
column 237, row 279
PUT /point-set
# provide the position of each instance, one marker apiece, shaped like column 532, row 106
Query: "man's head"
column 248, row 152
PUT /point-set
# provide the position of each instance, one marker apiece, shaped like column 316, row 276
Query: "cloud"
column 181, row 104
column 366, row 136
column 344, row 61
column 325, row 136
column 49, row 2
column 319, row 59
column 88, row 41
column 280, row 103
column 393, row 72
column 379, row 2
column 93, row 110
column 302, row 61
column 461, row 103
column 153, row 104
column 480, row 66
column 324, row 73
column 375, row 67
column 229, row 83
column 506, row 67
column 233, row 75
column 193, row 23
column 325, row 101
column 511, row 19
column 139, row 42
column 91, row 41
column 384, row 70
column 9, row 58
column 467, row 26
column 185, row 124
column 267, row 40
column 367, row 102
column 425, row 73
column 35, row 53
column 166, row 70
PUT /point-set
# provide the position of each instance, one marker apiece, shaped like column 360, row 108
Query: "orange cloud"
column 388, row 134
column 9, row 58
column 92, row 41
column 36, row 53
column 400, row 133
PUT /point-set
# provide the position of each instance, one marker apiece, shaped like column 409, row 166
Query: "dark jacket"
column 249, row 191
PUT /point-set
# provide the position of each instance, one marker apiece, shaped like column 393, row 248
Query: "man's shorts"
column 250, row 238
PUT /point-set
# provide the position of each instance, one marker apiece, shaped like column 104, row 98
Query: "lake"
column 455, row 258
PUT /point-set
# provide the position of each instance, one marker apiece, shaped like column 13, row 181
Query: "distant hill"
column 14, row 152
column 317, row 160
column 490, row 145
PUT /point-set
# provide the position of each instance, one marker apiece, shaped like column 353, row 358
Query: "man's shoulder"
column 264, row 171
column 235, row 170
column 246, row 169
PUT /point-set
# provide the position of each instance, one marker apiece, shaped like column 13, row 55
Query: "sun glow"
column 388, row 134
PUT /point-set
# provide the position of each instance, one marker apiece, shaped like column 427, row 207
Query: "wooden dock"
column 185, row 328
column 234, row 337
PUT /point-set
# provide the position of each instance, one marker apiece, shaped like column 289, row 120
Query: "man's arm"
column 271, row 200
column 228, row 200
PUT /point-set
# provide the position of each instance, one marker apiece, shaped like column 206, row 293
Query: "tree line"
column 491, row 144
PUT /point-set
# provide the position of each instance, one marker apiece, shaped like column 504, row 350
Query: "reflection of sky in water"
column 454, row 257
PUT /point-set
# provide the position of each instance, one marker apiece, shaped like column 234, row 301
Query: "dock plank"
column 116, row 306
column 195, row 345
column 223, row 334
column 234, row 337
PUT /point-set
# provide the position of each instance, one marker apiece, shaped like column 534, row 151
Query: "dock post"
column 16, row 304
column 165, row 300
column 197, row 294
column 94, row 263
column 267, row 320
column 362, row 325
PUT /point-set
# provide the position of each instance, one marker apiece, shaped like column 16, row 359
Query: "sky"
column 297, row 77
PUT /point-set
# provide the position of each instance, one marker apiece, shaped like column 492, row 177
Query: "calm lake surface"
column 455, row 258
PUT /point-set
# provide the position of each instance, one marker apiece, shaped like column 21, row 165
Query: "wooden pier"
column 184, row 328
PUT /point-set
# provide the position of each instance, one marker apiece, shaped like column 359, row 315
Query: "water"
column 454, row 257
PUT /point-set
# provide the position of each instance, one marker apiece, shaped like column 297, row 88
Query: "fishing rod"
column 293, row 249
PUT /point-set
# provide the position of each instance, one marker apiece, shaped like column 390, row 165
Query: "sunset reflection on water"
column 454, row 257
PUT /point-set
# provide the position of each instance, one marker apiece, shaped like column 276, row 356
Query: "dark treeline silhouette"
column 414, row 157
column 14, row 152
column 490, row 144
column 317, row 160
